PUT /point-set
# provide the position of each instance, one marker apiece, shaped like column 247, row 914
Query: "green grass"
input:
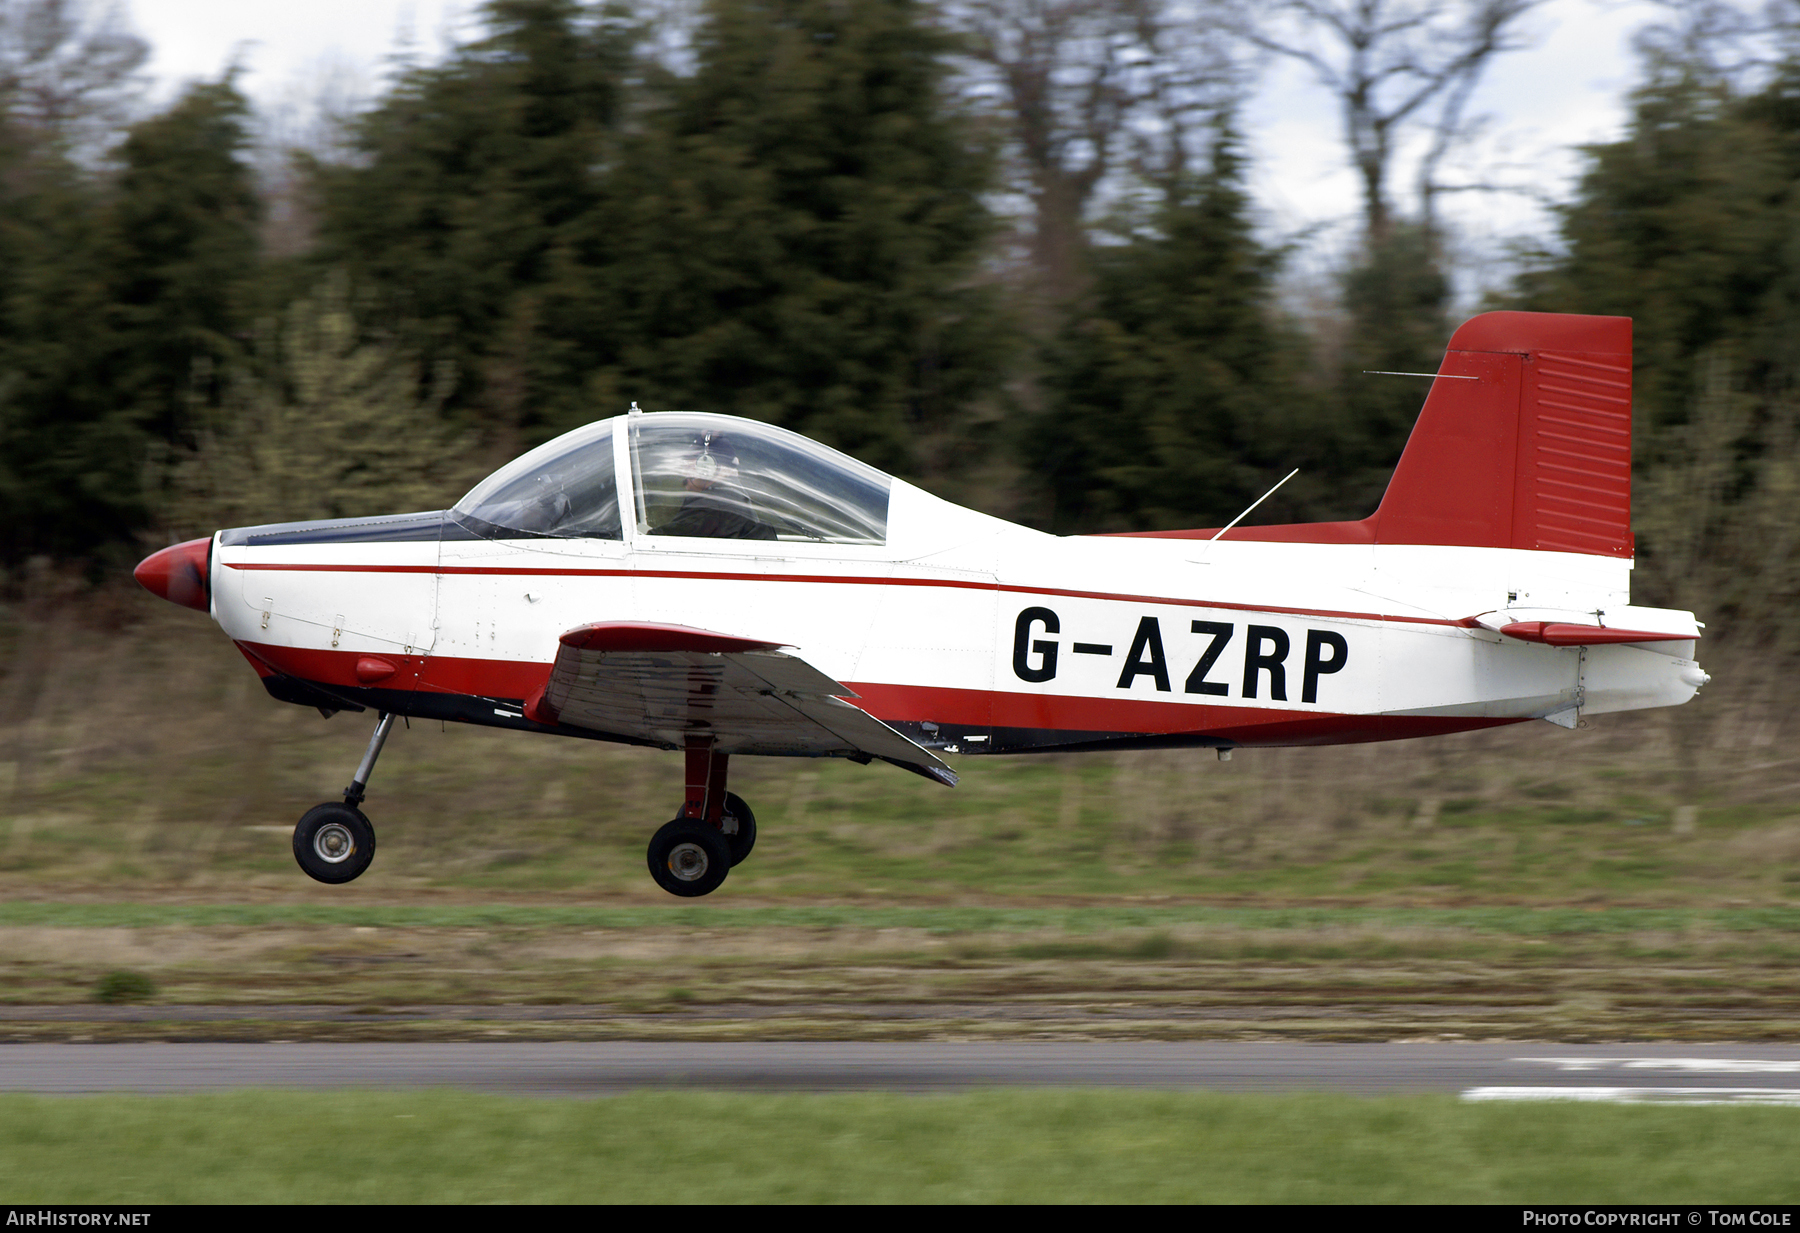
column 1779, row 922
column 901, row 972
column 993, row 1146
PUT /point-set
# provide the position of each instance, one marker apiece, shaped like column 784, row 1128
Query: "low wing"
column 669, row 683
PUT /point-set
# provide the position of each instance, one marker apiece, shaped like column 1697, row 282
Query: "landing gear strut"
column 335, row 842
column 713, row 831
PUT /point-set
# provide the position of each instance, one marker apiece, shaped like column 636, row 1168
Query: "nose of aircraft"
column 178, row 573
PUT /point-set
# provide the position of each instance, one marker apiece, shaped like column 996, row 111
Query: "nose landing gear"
column 335, row 842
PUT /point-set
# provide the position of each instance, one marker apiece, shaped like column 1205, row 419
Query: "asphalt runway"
column 1749, row 1074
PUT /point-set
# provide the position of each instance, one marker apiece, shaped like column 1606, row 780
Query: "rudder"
column 1524, row 440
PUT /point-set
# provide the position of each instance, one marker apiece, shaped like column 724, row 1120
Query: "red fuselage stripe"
column 973, row 709
column 828, row 580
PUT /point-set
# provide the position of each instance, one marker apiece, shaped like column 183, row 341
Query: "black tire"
column 334, row 843
column 688, row 858
column 745, row 839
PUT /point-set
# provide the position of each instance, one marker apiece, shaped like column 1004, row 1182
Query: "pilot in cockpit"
column 714, row 507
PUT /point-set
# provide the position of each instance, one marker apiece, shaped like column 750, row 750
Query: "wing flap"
column 670, row 683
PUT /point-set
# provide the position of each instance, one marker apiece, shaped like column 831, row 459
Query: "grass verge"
column 147, row 970
column 995, row 1146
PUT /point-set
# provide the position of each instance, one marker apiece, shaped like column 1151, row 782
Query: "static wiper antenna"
column 1448, row 376
column 1265, row 496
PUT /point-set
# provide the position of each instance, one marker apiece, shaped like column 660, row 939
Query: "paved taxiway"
column 1733, row 1073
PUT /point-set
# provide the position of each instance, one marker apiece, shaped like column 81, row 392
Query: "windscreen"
column 563, row 489
column 718, row 477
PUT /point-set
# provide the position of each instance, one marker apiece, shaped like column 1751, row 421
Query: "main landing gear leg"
column 713, row 831
column 334, row 842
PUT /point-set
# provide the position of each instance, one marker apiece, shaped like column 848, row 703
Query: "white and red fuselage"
column 1315, row 644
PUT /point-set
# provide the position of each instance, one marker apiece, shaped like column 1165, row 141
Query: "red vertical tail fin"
column 1524, row 441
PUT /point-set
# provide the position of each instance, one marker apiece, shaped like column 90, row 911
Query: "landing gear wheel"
column 334, row 843
column 745, row 839
column 689, row 858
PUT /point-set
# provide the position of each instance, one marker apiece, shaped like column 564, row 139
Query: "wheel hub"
column 688, row 861
column 333, row 843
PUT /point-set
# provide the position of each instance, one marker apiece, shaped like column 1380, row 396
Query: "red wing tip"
column 641, row 636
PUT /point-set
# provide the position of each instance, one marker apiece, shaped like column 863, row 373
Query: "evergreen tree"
column 1395, row 301
column 1172, row 394
column 117, row 298
column 1688, row 226
column 71, row 453
column 318, row 417
column 795, row 236
column 183, row 253
column 469, row 175
column 790, row 232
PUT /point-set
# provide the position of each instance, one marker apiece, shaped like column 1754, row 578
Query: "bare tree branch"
column 68, row 69
column 1725, row 41
column 1391, row 63
column 1089, row 89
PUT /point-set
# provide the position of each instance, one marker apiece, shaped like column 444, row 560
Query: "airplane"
column 718, row 586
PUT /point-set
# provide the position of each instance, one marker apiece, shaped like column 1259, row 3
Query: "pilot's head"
column 712, row 458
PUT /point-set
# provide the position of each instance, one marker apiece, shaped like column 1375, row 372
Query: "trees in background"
column 800, row 218
column 790, row 231
column 70, row 458
column 1403, row 72
column 1394, row 66
column 1094, row 95
column 466, row 182
column 318, row 416
column 113, row 280
column 547, row 225
column 1688, row 226
column 68, row 71
column 182, row 251
column 1171, row 390
column 802, row 230
column 797, row 225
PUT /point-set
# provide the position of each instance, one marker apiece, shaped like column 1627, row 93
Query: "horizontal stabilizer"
column 1553, row 634
column 1560, row 627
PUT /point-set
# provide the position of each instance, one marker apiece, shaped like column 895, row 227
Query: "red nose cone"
column 178, row 573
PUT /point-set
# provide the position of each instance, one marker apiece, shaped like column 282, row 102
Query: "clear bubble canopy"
column 693, row 475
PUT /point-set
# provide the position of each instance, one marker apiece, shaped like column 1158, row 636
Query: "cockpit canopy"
column 563, row 489
column 693, row 475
